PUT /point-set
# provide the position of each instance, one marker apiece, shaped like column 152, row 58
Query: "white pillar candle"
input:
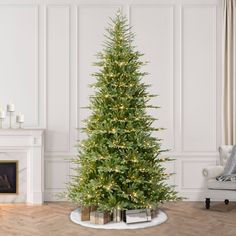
column 10, row 107
column 2, row 114
column 20, row 118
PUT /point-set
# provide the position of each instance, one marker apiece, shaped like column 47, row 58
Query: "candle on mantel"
column 10, row 107
column 2, row 113
column 20, row 118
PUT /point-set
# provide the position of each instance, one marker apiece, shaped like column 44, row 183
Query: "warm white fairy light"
column 115, row 135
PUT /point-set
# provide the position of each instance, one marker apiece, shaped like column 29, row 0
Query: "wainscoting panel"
column 192, row 178
column 159, row 51
column 57, row 172
column 199, row 77
column 58, row 77
column 92, row 21
column 19, row 59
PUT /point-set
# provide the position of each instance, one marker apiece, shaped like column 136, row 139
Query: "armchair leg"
column 226, row 201
column 208, row 201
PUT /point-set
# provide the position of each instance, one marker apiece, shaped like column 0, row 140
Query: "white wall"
column 47, row 48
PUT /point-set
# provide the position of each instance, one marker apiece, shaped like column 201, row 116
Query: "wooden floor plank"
column 52, row 219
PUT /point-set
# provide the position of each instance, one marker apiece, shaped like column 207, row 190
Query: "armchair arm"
column 212, row 171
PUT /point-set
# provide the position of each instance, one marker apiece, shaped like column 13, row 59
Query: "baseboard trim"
column 53, row 196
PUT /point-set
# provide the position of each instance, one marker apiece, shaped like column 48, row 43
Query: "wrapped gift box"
column 85, row 213
column 100, row 217
column 154, row 212
column 137, row 216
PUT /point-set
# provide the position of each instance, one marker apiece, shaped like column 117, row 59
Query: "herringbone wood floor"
column 52, row 219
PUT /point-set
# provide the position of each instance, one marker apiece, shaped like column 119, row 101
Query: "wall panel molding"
column 203, row 137
column 92, row 21
column 191, row 173
column 58, row 135
column 165, row 77
column 32, row 119
column 57, row 172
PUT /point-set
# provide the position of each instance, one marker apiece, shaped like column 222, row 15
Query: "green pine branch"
column 119, row 164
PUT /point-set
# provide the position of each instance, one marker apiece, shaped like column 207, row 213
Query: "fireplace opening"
column 8, row 177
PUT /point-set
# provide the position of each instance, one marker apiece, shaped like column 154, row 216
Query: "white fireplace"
column 26, row 146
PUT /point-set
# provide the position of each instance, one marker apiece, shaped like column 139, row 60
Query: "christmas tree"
column 119, row 164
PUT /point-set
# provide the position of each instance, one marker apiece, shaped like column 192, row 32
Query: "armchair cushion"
column 212, row 171
column 227, row 185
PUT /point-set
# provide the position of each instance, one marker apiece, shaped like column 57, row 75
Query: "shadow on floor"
column 221, row 207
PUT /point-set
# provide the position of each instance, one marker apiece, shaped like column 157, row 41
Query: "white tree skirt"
column 76, row 218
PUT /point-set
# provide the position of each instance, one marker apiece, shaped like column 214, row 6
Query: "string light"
column 109, row 187
column 120, row 98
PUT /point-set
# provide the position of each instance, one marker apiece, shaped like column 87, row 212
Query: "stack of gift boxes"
column 91, row 214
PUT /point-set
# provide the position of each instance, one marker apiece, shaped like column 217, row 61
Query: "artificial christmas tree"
column 119, row 164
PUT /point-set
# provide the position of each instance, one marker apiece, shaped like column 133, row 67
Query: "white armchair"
column 217, row 190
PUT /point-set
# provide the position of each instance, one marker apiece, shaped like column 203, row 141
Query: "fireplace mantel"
column 30, row 142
